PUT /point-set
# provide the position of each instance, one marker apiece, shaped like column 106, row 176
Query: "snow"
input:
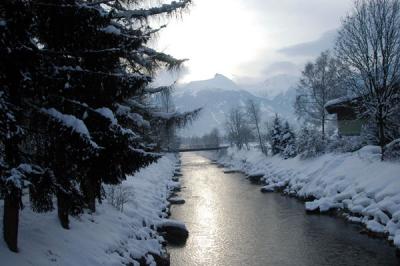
column 106, row 237
column 358, row 183
column 122, row 109
column 171, row 223
column 72, row 122
column 111, row 30
column 144, row 13
column 139, row 120
column 16, row 178
column 106, row 112
column 340, row 100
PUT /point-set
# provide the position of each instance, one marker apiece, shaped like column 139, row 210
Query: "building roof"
column 336, row 105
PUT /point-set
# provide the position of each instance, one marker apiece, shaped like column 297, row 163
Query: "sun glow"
column 219, row 35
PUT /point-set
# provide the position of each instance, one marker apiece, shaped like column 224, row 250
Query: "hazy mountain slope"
column 273, row 86
column 217, row 98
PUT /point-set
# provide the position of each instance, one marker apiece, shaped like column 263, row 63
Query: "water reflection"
column 232, row 223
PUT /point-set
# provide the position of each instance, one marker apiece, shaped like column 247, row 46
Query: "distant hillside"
column 273, row 86
column 220, row 94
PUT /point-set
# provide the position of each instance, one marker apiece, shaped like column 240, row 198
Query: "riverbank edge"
column 131, row 236
column 245, row 167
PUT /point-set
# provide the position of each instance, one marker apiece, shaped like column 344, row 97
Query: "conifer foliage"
column 275, row 136
column 282, row 138
column 74, row 101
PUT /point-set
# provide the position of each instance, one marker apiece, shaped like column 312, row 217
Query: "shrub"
column 310, row 143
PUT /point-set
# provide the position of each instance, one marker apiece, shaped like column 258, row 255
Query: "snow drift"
column 107, row 237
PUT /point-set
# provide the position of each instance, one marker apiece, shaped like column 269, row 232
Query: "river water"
column 232, row 223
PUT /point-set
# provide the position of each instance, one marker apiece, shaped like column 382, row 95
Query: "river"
column 232, row 223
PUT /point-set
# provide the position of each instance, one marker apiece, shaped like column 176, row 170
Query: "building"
column 346, row 110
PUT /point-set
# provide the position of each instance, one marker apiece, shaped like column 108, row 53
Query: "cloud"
column 313, row 48
column 251, row 38
column 282, row 67
column 165, row 77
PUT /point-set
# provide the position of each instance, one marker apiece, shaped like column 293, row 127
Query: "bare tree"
column 320, row 83
column 369, row 45
column 254, row 115
column 237, row 128
column 214, row 138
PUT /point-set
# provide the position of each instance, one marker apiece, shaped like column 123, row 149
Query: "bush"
column 392, row 151
column 346, row 144
column 310, row 143
column 118, row 196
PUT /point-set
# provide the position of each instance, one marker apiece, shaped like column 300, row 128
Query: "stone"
column 174, row 232
column 256, row 179
column 176, row 200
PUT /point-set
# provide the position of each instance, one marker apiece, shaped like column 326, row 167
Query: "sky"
column 251, row 40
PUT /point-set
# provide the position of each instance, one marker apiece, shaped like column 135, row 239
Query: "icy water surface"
column 232, row 223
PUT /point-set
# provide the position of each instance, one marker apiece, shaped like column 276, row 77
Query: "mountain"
column 218, row 95
column 218, row 81
column 273, row 86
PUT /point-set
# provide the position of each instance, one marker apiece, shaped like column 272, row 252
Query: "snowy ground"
column 108, row 237
column 367, row 189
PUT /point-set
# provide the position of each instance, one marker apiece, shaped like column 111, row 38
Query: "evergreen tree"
column 288, row 142
column 275, row 136
column 17, row 69
column 74, row 98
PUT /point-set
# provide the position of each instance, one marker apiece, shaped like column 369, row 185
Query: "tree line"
column 365, row 65
column 77, row 109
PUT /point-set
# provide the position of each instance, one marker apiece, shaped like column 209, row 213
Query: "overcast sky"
column 251, row 40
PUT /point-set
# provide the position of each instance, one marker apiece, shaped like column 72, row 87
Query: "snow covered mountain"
column 218, row 81
column 274, row 86
column 218, row 95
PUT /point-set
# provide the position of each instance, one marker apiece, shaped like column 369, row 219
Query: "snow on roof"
column 339, row 102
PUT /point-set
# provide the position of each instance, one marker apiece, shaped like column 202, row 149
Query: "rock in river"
column 176, row 200
column 175, row 232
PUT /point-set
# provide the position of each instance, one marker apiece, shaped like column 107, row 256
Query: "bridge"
column 202, row 148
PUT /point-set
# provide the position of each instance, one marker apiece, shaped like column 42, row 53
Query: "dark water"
column 232, row 223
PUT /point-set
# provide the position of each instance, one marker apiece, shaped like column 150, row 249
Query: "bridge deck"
column 203, row 149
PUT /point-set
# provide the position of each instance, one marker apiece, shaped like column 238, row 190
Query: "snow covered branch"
column 145, row 13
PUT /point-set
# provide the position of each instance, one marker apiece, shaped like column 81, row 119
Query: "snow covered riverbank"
column 359, row 183
column 107, row 237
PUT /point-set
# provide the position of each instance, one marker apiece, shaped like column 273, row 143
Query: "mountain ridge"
column 217, row 98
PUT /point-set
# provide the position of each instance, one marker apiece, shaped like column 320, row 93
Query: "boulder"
column 267, row 189
column 176, row 200
column 255, row 178
column 231, row 171
column 178, row 174
column 162, row 260
column 174, row 232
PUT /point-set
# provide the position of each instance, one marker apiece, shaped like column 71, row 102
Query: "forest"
column 77, row 107
column 360, row 78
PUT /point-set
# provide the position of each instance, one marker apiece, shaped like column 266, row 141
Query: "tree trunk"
column 323, row 127
column 11, row 218
column 260, row 140
column 63, row 209
column 91, row 190
column 382, row 137
column 12, row 199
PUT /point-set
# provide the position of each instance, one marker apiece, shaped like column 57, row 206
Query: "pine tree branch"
column 145, row 13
